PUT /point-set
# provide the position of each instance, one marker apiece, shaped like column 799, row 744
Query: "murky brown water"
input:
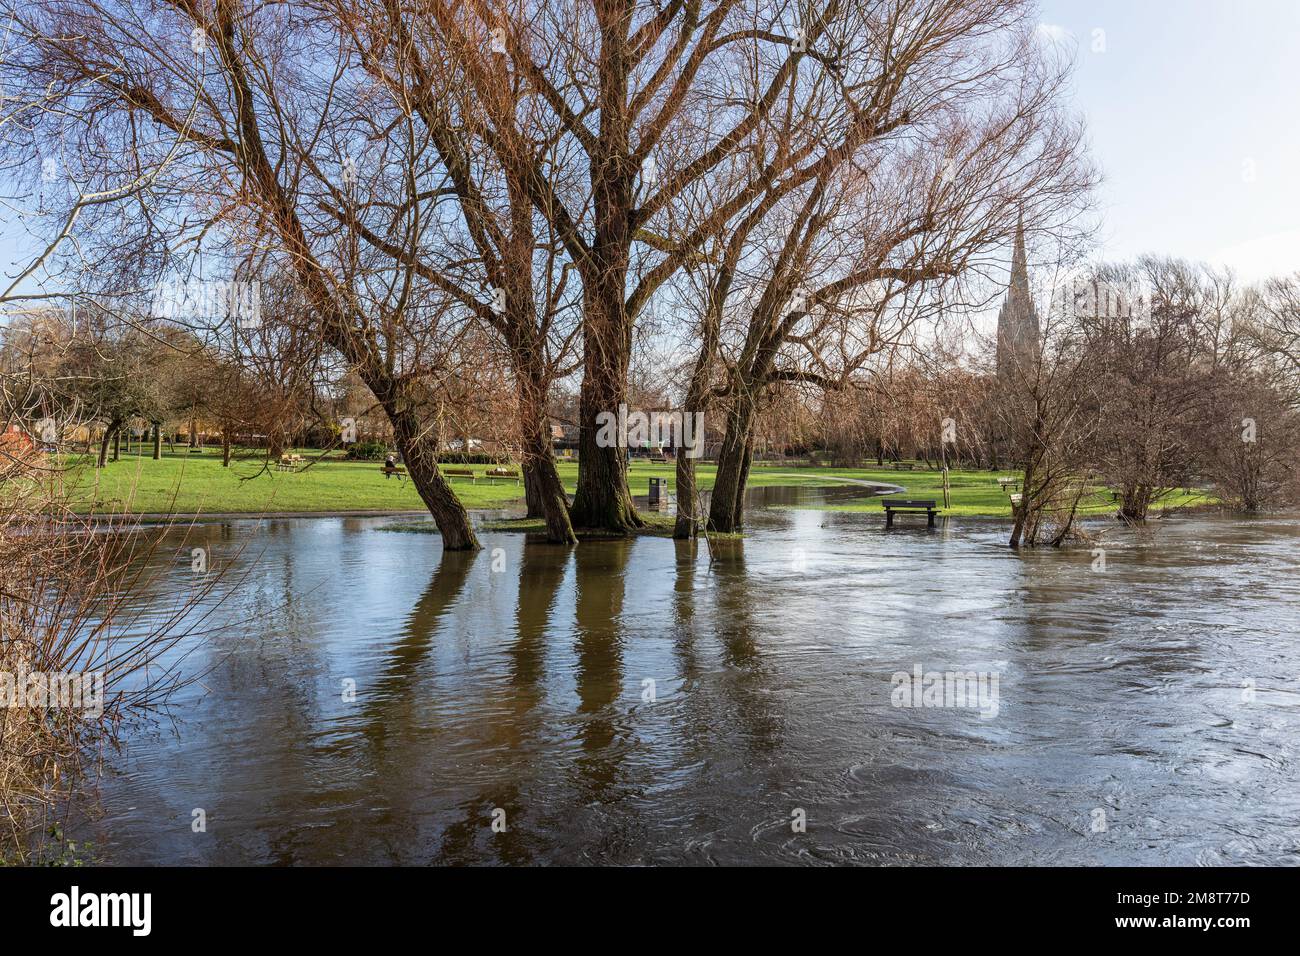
column 515, row 679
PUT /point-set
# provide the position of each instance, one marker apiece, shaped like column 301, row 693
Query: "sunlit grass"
column 183, row 483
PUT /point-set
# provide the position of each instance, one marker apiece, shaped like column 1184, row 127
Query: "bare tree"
column 263, row 144
column 883, row 226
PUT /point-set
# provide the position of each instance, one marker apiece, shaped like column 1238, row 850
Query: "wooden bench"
column 503, row 474
column 1007, row 484
column 909, row 506
column 391, row 470
column 289, row 462
column 450, row 473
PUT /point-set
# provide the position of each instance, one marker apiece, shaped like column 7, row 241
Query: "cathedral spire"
column 1018, row 331
column 1019, row 263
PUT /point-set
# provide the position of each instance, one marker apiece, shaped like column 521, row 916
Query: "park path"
column 884, row 489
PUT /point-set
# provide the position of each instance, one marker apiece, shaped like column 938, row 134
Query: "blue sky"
column 1193, row 109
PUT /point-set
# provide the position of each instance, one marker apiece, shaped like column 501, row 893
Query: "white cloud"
column 1054, row 33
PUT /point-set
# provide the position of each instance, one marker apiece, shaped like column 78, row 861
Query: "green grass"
column 977, row 494
column 197, row 484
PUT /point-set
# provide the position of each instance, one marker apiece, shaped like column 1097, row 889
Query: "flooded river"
column 631, row 702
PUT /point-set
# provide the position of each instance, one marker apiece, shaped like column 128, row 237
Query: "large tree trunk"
column 726, row 507
column 117, row 443
column 697, row 400
column 602, row 500
column 225, row 448
column 687, row 524
column 542, row 485
column 157, row 441
column 419, row 448
column 543, row 490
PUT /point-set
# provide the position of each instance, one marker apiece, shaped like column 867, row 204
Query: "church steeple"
column 1018, row 331
column 1019, row 262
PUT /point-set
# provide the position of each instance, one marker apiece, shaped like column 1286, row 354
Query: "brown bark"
column 687, row 524
column 602, row 500
column 109, row 431
column 419, row 448
column 698, row 398
column 1136, row 503
column 542, row 487
column 726, row 507
column 157, row 441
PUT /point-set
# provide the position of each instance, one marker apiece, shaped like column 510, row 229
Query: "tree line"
column 783, row 190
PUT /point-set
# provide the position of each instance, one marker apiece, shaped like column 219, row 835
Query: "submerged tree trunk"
column 602, row 500
column 1135, row 504
column 542, row 486
column 543, row 490
column 726, row 509
column 687, row 524
column 698, row 398
column 419, row 448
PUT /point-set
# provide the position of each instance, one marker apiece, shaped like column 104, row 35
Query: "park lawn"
column 181, row 483
column 977, row 494
column 198, row 484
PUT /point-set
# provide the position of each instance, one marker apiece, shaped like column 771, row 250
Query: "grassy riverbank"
column 188, row 484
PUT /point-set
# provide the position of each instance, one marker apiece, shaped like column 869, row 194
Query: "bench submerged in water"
column 909, row 506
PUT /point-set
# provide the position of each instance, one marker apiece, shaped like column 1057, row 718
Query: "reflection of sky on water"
column 523, row 689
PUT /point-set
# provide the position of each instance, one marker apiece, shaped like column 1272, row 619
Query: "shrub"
column 367, row 451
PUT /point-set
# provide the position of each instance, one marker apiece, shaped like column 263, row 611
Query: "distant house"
column 564, row 439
